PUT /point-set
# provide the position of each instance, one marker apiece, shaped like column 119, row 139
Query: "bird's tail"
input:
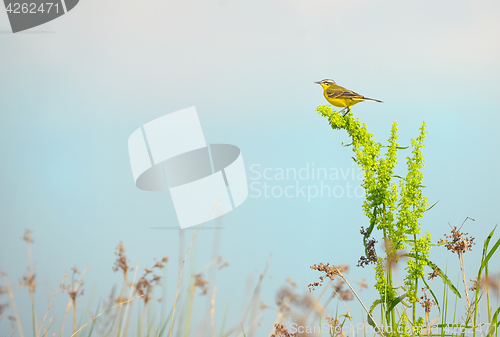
column 371, row 99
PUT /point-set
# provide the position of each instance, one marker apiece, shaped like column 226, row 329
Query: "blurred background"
column 74, row 89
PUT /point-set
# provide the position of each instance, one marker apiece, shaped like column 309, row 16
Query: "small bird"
column 341, row 97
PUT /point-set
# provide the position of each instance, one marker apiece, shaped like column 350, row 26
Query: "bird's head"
column 326, row 83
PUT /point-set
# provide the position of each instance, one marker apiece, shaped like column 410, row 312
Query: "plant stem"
column 462, row 268
column 33, row 313
column 182, row 269
column 355, row 294
column 486, row 273
column 74, row 315
column 143, row 320
column 13, row 303
column 416, row 280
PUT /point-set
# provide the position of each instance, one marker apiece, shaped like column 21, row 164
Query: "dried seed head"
column 330, row 272
column 200, row 282
column 121, row 262
column 363, row 284
column 425, row 302
column 371, row 254
column 344, row 294
column 262, row 306
column 486, row 283
column 144, row 286
column 434, row 274
column 222, row 264
column 27, row 236
column 281, row 331
column 458, row 242
column 29, row 281
column 74, row 289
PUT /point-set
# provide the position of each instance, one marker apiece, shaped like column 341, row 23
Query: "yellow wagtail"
column 341, row 97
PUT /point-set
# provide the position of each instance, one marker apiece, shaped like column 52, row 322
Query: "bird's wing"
column 333, row 93
column 350, row 94
column 342, row 93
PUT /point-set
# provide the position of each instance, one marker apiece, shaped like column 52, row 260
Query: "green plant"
column 394, row 204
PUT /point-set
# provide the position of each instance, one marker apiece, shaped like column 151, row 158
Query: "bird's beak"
column 317, row 82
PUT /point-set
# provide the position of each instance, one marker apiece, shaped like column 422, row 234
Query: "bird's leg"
column 342, row 110
column 348, row 110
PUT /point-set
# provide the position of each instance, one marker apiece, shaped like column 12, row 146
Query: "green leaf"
column 428, row 209
column 444, row 277
column 441, row 274
column 494, row 324
column 483, row 259
column 372, row 307
column 162, row 331
column 488, row 239
column 490, row 254
column 393, row 303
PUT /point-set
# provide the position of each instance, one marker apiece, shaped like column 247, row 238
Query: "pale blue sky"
column 71, row 95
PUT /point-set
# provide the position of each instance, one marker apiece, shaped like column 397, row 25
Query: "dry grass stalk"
column 74, row 289
column 256, row 292
column 13, row 303
column 457, row 242
column 212, row 311
column 348, row 312
column 336, row 325
column 182, row 270
column 131, row 305
column 320, row 312
column 144, row 287
column 333, row 271
column 427, row 304
column 93, row 319
column 121, row 264
column 52, row 300
column 29, row 279
column 253, row 301
column 361, row 302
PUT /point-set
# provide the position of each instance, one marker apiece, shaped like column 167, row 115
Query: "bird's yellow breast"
column 340, row 102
